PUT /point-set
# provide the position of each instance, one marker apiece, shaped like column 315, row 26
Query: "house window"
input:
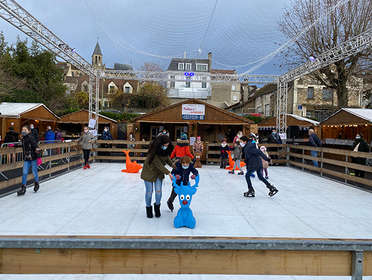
column 127, row 89
column 233, row 87
column 181, row 66
column 267, row 110
column 112, row 89
column 327, row 94
column 188, row 66
column 310, row 93
column 188, row 82
column 204, row 82
column 202, row 67
column 172, row 83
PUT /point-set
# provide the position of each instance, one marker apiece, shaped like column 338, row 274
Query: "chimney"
column 209, row 61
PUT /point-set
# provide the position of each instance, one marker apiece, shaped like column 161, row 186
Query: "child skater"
column 237, row 157
column 182, row 174
column 265, row 164
column 253, row 161
column 182, row 148
column 224, row 155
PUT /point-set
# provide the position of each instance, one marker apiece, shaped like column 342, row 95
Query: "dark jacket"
column 35, row 133
column 253, row 155
column 11, row 137
column 224, row 151
column 363, row 147
column 29, row 145
column 106, row 135
column 275, row 138
column 314, row 140
column 184, row 173
column 156, row 169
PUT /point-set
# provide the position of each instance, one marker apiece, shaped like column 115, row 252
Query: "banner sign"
column 193, row 111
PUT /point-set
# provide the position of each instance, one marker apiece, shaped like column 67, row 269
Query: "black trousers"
column 172, row 196
column 86, row 154
column 223, row 163
column 259, row 175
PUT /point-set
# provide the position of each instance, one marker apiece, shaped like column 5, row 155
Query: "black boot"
column 170, row 205
column 36, row 186
column 250, row 193
column 231, row 172
column 272, row 190
column 157, row 210
column 149, row 212
column 22, row 191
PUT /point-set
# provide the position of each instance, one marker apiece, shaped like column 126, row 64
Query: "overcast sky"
column 139, row 31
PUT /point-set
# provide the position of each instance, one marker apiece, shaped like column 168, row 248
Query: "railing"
column 185, row 255
column 57, row 158
column 277, row 152
column 113, row 150
column 334, row 163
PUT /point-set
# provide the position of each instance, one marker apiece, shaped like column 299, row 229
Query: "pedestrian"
column 11, row 136
column 198, row 148
column 315, row 142
column 49, row 136
column 224, row 148
column 86, row 141
column 182, row 148
column 106, row 135
column 274, row 138
column 253, row 161
column 132, row 139
column 35, row 132
column 359, row 145
column 237, row 157
column 182, row 172
column 31, row 153
column 265, row 164
column 58, row 134
column 154, row 170
column 238, row 136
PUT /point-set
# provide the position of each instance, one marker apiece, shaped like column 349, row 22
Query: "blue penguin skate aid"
column 184, row 217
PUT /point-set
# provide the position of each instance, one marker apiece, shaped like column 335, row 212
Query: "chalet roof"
column 173, row 66
column 97, row 50
column 291, row 120
column 223, row 71
column 64, row 117
column 358, row 113
column 195, row 101
column 303, row 119
column 15, row 110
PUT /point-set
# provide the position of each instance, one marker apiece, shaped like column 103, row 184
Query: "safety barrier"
column 184, row 255
column 334, row 163
column 57, row 158
column 112, row 150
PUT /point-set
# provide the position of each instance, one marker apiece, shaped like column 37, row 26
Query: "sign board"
column 283, row 136
column 193, row 111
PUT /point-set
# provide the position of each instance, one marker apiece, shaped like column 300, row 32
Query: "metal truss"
column 281, row 106
column 348, row 48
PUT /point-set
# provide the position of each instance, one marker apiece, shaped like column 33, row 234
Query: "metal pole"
column 357, row 265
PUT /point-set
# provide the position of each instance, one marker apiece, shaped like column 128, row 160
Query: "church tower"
column 97, row 57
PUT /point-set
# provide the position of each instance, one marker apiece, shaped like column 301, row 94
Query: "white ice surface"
column 104, row 201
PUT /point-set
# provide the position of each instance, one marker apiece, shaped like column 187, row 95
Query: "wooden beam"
column 124, row 261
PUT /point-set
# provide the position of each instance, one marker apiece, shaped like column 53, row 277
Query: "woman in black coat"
column 359, row 145
column 252, row 158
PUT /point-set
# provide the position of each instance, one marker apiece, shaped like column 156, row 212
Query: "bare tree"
column 341, row 24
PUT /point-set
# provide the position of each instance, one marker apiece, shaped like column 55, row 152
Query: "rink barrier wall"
column 333, row 163
column 59, row 158
column 184, row 255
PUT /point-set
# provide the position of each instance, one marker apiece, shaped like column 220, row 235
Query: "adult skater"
column 31, row 152
column 253, row 161
column 86, row 141
column 182, row 173
column 154, row 170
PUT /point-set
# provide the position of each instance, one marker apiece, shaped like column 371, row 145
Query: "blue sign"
column 299, row 107
column 193, row 117
column 189, row 74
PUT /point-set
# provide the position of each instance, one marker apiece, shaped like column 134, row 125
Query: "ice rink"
column 104, row 201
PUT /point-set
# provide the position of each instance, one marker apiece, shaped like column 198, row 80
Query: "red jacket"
column 181, row 151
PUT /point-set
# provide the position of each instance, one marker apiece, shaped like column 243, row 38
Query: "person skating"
column 237, row 158
column 224, row 148
column 182, row 148
column 253, row 161
column 86, row 141
column 265, row 164
column 182, row 174
column 30, row 156
column 154, row 170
